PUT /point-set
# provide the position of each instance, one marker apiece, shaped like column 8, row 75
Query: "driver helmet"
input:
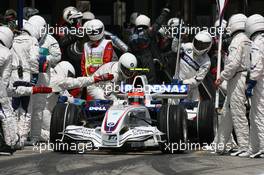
column 136, row 98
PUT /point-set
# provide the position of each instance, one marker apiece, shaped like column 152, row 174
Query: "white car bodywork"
column 118, row 128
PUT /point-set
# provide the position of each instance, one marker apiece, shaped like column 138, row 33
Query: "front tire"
column 173, row 122
column 63, row 115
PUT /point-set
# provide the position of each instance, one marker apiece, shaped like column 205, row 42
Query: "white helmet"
column 236, row 23
column 133, row 17
column 142, row 20
column 202, row 43
column 29, row 11
column 94, row 29
column 65, row 69
column 31, row 29
column 40, row 24
column 70, row 14
column 255, row 23
column 217, row 23
column 6, row 36
column 88, row 16
column 126, row 62
column 174, row 22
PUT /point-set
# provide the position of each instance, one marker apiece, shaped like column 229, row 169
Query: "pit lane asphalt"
column 144, row 163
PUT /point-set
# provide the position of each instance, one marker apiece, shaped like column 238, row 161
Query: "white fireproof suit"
column 103, row 91
column 193, row 69
column 6, row 115
column 38, row 100
column 60, row 84
column 234, row 110
column 257, row 100
column 25, row 53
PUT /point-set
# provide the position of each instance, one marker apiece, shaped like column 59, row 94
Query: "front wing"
column 148, row 135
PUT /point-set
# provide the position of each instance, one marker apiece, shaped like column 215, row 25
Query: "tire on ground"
column 206, row 122
column 74, row 113
column 173, row 122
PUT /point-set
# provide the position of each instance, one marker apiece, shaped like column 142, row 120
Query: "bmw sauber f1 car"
column 141, row 117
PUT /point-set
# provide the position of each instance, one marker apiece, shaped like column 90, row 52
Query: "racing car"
column 140, row 118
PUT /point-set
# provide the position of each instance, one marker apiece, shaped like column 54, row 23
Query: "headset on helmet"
column 236, row 23
column 142, row 20
column 202, row 43
column 94, row 29
column 65, row 69
column 126, row 63
column 70, row 14
column 254, row 23
column 6, row 36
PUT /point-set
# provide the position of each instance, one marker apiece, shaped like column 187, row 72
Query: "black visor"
column 200, row 45
column 126, row 71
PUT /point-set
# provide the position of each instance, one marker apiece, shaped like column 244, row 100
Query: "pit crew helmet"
column 202, row 43
column 96, row 29
column 126, row 63
column 70, row 14
column 254, row 23
column 236, row 23
column 142, row 20
column 40, row 24
column 87, row 16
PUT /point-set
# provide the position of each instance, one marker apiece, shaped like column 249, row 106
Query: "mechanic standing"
column 98, row 50
column 255, row 31
column 49, row 56
column 235, row 73
column 25, row 68
column 143, row 42
column 194, row 63
column 70, row 34
column 8, row 122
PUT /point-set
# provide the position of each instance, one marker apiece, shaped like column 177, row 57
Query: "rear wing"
column 173, row 91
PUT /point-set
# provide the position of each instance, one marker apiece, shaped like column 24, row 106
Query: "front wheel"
column 63, row 115
column 172, row 122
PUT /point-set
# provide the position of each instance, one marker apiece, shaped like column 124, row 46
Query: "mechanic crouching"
column 62, row 80
column 121, row 70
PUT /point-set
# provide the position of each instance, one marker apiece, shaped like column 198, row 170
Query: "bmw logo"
column 110, row 124
column 132, row 65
